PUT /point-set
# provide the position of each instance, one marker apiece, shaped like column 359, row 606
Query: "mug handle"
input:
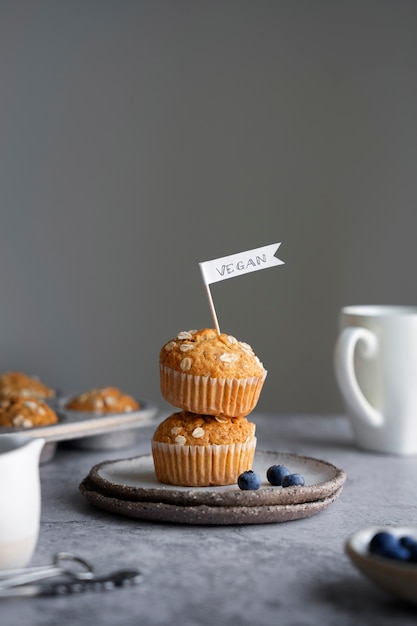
column 344, row 353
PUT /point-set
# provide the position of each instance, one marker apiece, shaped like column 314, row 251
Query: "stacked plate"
column 129, row 487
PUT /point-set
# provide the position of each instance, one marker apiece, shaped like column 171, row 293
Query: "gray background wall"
column 138, row 138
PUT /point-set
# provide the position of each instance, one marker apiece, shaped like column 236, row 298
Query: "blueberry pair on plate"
column 280, row 476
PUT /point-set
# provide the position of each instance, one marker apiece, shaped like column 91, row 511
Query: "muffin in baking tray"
column 21, row 412
column 19, row 383
column 103, row 400
column 191, row 449
column 209, row 373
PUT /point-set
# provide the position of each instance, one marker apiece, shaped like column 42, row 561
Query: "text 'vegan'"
column 230, row 268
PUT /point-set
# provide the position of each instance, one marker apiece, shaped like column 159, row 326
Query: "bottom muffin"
column 196, row 450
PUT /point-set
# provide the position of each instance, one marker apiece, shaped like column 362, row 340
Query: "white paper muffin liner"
column 202, row 466
column 232, row 397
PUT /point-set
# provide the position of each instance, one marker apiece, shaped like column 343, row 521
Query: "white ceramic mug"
column 20, row 499
column 376, row 370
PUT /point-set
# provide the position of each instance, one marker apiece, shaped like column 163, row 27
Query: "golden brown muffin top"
column 207, row 353
column 103, row 400
column 22, row 412
column 192, row 429
column 18, row 383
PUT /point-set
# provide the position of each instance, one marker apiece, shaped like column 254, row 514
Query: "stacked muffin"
column 216, row 380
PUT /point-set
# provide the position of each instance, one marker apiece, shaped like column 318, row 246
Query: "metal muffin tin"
column 89, row 431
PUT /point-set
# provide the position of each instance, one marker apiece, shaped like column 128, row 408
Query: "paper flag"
column 236, row 265
column 241, row 263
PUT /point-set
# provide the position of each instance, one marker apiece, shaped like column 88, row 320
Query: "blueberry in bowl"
column 387, row 555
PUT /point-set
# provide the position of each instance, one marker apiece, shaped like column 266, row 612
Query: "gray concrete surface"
column 289, row 574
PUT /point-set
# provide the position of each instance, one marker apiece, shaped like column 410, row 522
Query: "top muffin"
column 20, row 384
column 207, row 353
column 203, row 371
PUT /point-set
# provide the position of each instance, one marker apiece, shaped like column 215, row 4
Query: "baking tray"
column 90, row 431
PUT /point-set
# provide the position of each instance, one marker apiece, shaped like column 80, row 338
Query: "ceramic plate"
column 203, row 514
column 397, row 577
column 134, row 479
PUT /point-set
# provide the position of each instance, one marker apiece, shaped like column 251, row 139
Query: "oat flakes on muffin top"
column 185, row 428
column 19, row 383
column 206, row 353
column 103, row 400
column 22, row 412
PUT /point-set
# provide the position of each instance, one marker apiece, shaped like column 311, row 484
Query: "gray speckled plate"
column 203, row 514
column 134, row 480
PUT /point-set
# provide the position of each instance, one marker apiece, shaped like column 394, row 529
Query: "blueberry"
column 291, row 480
column 275, row 473
column 382, row 541
column 408, row 542
column 388, row 545
column 249, row 480
column 411, row 544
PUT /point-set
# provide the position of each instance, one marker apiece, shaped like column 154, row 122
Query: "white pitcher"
column 20, row 498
